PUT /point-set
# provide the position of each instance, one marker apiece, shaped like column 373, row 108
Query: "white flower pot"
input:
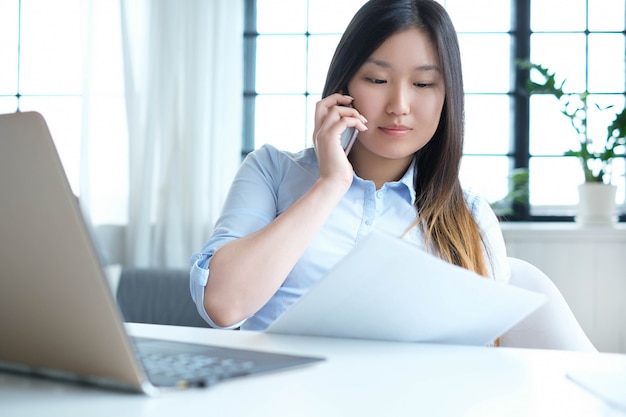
column 596, row 204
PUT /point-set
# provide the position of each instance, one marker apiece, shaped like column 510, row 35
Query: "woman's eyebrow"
column 385, row 64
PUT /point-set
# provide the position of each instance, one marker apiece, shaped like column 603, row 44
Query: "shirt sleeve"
column 198, row 278
column 249, row 206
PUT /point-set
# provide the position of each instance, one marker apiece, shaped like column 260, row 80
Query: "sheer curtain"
column 183, row 80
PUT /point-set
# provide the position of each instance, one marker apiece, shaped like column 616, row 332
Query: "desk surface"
column 359, row 378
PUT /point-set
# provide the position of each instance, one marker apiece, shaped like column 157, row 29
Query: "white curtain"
column 104, row 135
column 183, row 81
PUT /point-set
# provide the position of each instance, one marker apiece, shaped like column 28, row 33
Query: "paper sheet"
column 387, row 289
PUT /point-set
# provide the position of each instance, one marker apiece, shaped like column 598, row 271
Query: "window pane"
column 563, row 54
column 606, row 63
column 551, row 132
column 485, row 175
column 8, row 104
column 323, row 21
column 480, row 15
column 8, row 46
column 272, row 16
column 63, row 116
column 599, row 120
column 557, row 15
column 487, row 132
column 554, row 181
column 281, row 64
column 321, row 50
column 51, row 47
column 606, row 15
column 486, row 62
column 280, row 120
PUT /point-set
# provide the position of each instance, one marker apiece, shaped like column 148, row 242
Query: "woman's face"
column 400, row 90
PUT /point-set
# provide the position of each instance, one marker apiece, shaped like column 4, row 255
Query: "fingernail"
column 347, row 96
column 363, row 118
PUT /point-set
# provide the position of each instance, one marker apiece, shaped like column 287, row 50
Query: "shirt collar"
column 404, row 186
column 407, row 180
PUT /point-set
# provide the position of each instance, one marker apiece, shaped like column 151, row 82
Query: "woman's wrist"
column 333, row 187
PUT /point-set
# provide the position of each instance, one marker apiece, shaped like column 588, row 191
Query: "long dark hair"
column 443, row 215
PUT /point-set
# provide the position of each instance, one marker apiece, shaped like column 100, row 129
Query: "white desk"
column 359, row 378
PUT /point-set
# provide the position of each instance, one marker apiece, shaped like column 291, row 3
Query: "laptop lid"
column 56, row 311
column 58, row 316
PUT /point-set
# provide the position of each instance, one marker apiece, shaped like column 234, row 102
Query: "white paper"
column 387, row 289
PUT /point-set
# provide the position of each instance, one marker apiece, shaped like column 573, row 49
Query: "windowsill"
column 562, row 230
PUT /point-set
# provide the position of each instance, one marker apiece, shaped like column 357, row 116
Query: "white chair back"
column 553, row 325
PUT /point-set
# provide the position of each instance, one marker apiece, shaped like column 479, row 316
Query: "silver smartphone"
column 347, row 138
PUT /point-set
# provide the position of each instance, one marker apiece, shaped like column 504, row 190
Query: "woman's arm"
column 246, row 272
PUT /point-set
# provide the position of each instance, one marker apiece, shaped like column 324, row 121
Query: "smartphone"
column 347, row 139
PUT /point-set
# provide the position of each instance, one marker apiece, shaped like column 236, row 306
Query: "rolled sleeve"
column 198, row 278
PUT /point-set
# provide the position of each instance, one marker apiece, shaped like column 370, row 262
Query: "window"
column 44, row 67
column 586, row 47
column 286, row 66
column 286, row 62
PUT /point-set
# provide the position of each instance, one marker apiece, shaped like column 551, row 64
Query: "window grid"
column 42, row 70
column 524, row 154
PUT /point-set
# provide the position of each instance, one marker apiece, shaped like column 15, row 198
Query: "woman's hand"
column 333, row 115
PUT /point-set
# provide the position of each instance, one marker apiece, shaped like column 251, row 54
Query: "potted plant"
column 595, row 154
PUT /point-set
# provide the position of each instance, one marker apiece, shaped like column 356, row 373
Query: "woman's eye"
column 376, row 80
column 422, row 85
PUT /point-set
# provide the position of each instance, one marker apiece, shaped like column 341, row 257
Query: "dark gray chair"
column 157, row 296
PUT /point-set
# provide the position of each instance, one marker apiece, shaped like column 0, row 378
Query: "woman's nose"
column 398, row 102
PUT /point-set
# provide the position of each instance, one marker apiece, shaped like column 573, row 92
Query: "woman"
column 396, row 78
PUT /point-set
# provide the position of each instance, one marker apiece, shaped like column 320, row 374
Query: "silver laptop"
column 58, row 316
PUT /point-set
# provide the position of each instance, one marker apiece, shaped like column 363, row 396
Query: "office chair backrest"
column 553, row 325
column 157, row 296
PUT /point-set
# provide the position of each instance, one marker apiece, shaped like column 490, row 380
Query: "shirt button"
column 379, row 194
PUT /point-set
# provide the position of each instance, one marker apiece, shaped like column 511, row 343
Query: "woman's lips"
column 395, row 130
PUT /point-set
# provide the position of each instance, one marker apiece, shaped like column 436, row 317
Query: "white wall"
column 587, row 265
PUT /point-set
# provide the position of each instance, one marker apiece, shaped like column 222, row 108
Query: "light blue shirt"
column 269, row 181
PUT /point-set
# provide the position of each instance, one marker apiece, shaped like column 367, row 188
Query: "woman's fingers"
column 333, row 115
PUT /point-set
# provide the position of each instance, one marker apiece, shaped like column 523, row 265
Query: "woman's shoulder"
column 270, row 156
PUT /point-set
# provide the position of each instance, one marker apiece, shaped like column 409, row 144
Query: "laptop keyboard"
column 174, row 364
column 185, row 369
column 180, row 365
